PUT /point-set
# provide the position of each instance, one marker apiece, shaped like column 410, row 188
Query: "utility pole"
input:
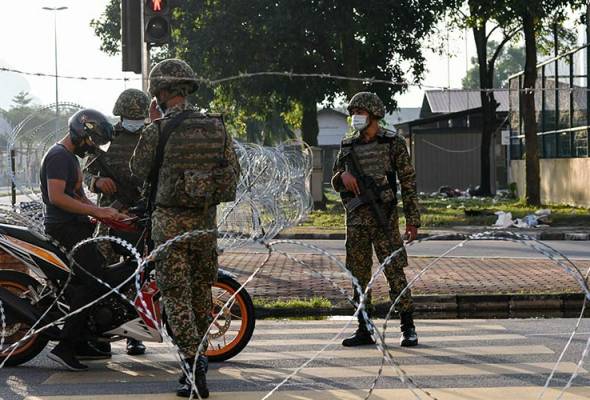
column 55, row 10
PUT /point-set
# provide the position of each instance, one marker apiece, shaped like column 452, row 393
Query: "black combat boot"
column 135, row 347
column 184, row 389
column 361, row 336
column 409, row 337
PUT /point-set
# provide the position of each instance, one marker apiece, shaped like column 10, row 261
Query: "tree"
column 479, row 16
column 509, row 62
column 21, row 107
column 534, row 16
column 349, row 38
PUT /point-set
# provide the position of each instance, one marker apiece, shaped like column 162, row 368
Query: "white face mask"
column 359, row 122
column 132, row 125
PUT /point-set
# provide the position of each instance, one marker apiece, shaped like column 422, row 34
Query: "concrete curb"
column 440, row 235
column 461, row 306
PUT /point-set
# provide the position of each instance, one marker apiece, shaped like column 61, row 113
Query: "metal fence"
column 561, row 103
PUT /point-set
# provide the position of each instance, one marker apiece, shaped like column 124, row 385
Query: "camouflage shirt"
column 117, row 157
column 403, row 167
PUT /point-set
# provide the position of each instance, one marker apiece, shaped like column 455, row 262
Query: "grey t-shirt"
column 61, row 164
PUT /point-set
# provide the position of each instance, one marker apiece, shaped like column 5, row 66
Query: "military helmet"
column 132, row 104
column 367, row 101
column 173, row 75
column 91, row 124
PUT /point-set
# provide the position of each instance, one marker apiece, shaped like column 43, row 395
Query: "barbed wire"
column 273, row 193
column 292, row 75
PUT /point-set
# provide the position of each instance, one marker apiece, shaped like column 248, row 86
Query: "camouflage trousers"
column 360, row 240
column 112, row 252
column 105, row 247
column 185, row 272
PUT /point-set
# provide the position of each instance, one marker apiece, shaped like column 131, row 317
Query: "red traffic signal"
column 156, row 18
column 157, row 5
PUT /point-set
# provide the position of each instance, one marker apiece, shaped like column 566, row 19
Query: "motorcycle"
column 33, row 300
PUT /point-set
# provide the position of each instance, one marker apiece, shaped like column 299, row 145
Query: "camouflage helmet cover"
column 173, row 75
column 132, row 104
column 367, row 101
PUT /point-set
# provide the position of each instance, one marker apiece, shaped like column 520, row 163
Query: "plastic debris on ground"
column 541, row 218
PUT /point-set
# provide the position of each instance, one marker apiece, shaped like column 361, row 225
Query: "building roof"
column 449, row 101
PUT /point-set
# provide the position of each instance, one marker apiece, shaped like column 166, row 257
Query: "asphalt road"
column 481, row 248
column 457, row 359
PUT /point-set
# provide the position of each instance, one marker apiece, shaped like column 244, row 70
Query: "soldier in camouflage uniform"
column 198, row 152
column 132, row 107
column 382, row 156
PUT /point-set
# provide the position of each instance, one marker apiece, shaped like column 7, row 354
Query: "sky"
column 31, row 49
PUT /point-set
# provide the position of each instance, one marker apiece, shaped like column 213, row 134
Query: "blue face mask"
column 132, row 125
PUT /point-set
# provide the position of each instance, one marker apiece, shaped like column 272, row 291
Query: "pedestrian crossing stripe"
column 392, row 338
column 342, row 320
column 123, row 374
column 479, row 393
column 391, row 328
column 344, row 353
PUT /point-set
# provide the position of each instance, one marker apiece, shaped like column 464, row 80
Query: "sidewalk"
column 457, row 287
column 445, row 233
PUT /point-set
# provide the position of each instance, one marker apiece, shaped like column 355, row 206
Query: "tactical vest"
column 376, row 163
column 195, row 172
column 117, row 157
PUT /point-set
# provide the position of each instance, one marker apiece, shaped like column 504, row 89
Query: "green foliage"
column 509, row 62
column 297, row 303
column 344, row 37
column 108, row 28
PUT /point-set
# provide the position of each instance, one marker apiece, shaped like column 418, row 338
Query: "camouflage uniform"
column 186, row 270
column 383, row 158
column 131, row 104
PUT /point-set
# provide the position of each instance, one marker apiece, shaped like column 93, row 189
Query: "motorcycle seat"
column 29, row 236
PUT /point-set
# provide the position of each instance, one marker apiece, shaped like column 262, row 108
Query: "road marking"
column 480, row 393
column 392, row 327
column 341, row 320
column 344, row 353
column 391, row 338
column 348, row 372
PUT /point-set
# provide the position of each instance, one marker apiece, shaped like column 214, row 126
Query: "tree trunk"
column 309, row 121
column 488, row 104
column 533, row 180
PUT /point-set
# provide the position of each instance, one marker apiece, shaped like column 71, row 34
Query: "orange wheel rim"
column 12, row 285
column 243, row 311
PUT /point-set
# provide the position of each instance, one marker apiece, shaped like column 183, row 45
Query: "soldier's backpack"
column 201, row 178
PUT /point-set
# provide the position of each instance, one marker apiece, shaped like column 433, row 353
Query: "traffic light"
column 131, row 35
column 156, row 19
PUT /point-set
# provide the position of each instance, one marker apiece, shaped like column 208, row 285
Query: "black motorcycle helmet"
column 91, row 124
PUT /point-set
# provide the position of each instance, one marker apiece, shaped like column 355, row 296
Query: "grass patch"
column 443, row 212
column 314, row 302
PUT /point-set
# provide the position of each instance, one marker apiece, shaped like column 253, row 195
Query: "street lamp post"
column 55, row 10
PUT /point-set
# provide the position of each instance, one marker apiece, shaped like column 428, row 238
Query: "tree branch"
column 498, row 50
column 490, row 32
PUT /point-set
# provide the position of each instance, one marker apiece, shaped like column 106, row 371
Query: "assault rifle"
column 369, row 194
column 126, row 190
